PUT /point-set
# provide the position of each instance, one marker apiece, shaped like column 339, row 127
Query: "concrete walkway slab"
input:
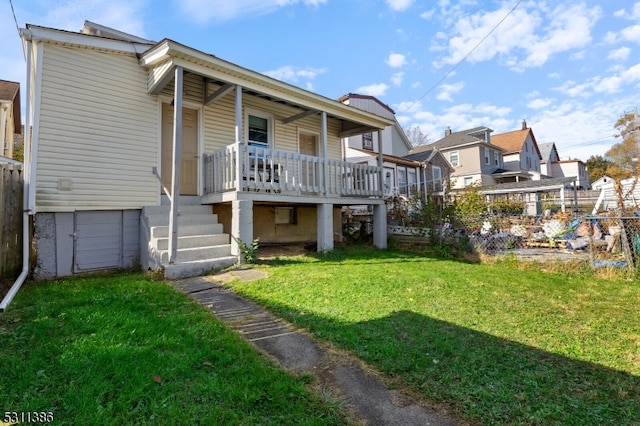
column 344, row 377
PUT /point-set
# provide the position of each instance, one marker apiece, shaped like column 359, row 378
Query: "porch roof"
column 528, row 186
column 162, row 58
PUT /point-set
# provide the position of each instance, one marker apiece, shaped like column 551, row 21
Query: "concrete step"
column 197, row 253
column 198, row 267
column 183, row 209
column 190, row 241
column 186, row 230
column 162, row 219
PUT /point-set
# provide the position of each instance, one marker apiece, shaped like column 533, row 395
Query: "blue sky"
column 569, row 68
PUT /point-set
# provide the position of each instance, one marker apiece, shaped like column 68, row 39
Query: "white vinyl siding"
column 98, row 134
column 219, row 125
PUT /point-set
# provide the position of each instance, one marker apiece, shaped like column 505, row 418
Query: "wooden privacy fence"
column 11, row 192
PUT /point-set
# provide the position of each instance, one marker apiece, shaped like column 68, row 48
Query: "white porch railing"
column 287, row 172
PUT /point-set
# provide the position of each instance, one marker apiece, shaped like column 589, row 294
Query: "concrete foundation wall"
column 56, row 237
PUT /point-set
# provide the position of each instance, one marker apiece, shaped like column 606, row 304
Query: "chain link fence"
column 601, row 241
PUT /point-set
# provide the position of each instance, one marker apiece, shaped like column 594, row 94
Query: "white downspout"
column 25, row 182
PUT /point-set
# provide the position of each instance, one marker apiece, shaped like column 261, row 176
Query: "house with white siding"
column 521, row 154
column 401, row 175
column 160, row 155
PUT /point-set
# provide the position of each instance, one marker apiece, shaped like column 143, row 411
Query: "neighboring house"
column 521, row 154
column 401, row 176
column 600, row 183
column 435, row 171
column 553, row 166
column 10, row 116
column 548, row 155
column 571, row 167
column 249, row 157
column 472, row 156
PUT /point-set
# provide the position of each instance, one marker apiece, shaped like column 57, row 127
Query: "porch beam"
column 299, row 116
column 218, row 94
column 175, row 173
column 356, row 131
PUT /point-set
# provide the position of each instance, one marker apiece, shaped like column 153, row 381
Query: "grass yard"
column 497, row 343
column 126, row 349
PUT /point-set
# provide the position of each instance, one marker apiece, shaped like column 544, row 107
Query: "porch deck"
column 286, row 176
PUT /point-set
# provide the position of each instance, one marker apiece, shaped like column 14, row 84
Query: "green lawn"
column 497, row 343
column 126, row 349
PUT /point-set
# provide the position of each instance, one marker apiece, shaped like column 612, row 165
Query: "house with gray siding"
column 158, row 155
column 473, row 158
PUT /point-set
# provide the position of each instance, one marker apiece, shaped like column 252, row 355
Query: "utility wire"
column 14, row 16
column 464, row 58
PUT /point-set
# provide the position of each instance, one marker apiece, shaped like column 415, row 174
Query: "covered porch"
column 241, row 165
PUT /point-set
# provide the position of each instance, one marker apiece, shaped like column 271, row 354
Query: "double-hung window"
column 259, row 132
column 454, row 159
column 367, row 140
column 437, row 178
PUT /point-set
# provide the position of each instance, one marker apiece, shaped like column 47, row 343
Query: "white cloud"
column 396, row 78
column 399, row 5
column 539, row 103
column 378, row 89
column 428, row 14
column 204, row 11
column 294, row 74
column 619, row 54
column 123, row 15
column 527, row 38
column 631, row 33
column 448, row 90
column 396, row 60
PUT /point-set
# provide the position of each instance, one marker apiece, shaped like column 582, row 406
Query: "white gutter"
column 25, row 194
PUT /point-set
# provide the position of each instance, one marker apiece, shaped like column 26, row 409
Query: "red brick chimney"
column 524, row 125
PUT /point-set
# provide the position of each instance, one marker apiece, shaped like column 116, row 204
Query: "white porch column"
column 562, row 205
column 241, row 225
column 325, row 174
column 380, row 164
column 239, row 132
column 325, row 227
column 380, row 210
column 175, row 173
column 380, row 226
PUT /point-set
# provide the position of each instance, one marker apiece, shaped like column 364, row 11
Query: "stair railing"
column 164, row 188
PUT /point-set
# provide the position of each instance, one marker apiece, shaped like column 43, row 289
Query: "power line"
column 464, row 58
column 14, row 16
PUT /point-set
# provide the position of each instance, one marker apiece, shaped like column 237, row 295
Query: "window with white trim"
column 367, row 140
column 487, row 156
column 468, row 181
column 454, row 158
column 412, row 181
column 436, row 172
column 402, row 180
column 259, row 130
